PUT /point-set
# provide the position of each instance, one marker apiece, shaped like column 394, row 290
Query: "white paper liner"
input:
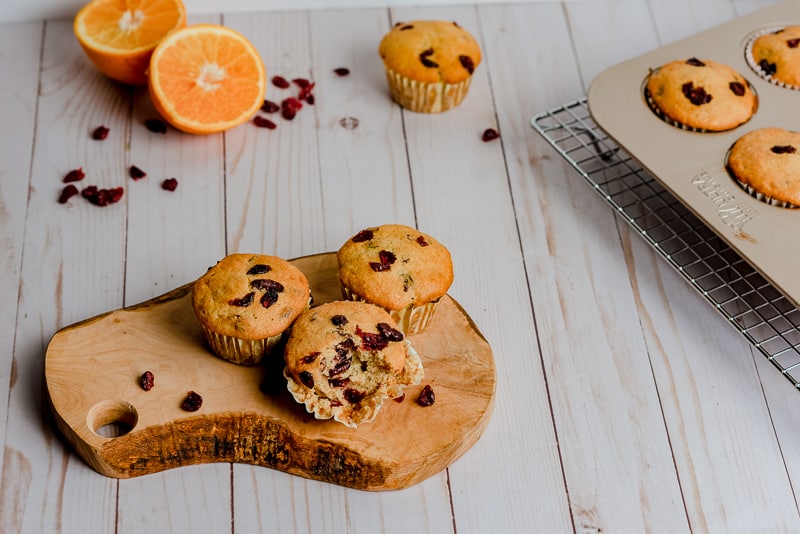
column 322, row 408
column 426, row 97
column 412, row 319
column 241, row 351
column 751, row 61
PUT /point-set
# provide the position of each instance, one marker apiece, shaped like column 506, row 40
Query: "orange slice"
column 119, row 36
column 206, row 78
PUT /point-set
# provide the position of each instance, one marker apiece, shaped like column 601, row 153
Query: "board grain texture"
column 247, row 416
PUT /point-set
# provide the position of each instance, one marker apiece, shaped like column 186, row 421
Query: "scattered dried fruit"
column 341, row 71
column 75, row 175
column 280, row 82
column 783, row 149
column 306, row 379
column 489, row 134
column 270, row 107
column 792, row 43
column 421, row 241
column 467, row 63
column 695, row 62
column 339, row 320
column 426, row 396
column 136, row 173
column 67, row 193
column 100, row 133
column 737, row 88
column 768, row 68
column 259, row 268
column 192, row 402
column 301, row 82
column 363, row 235
column 102, row 197
column 170, row 184
column 289, row 108
column 244, row 301
column 423, row 57
column 147, row 380
column 696, row 95
column 263, row 122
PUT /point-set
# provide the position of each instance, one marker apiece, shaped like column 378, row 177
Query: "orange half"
column 206, row 78
column 119, row 36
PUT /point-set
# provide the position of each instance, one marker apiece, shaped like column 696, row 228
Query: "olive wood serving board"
column 92, row 372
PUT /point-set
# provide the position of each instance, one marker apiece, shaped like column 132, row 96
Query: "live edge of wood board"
column 92, row 371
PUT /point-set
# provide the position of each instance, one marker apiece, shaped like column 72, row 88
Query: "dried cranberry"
column 363, row 235
column 379, row 267
column 156, row 125
column 269, row 298
column 423, row 57
column 792, row 43
column 306, row 92
column 170, row 184
column 270, row 107
column 695, row 62
column 280, row 82
column 387, row 257
column 339, row 320
column 136, row 173
column 426, row 396
column 696, row 95
column 489, row 134
column 421, row 241
column 265, row 284
column 310, row 358
column 306, row 379
column 390, row 333
column 768, row 68
column 100, row 133
column 263, row 122
column 102, row 197
column 467, row 63
column 147, row 381
column 259, row 268
column 401, row 398
column 289, row 107
column 75, row 175
column 192, row 402
column 737, row 88
column 785, row 149
column 341, row 71
column 244, row 301
column 353, row 396
column 301, row 82
column 310, row 99
column 338, row 382
column 341, row 362
column 370, row 341
column 67, row 193
column 407, row 27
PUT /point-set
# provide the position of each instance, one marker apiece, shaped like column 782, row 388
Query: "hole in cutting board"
column 111, row 419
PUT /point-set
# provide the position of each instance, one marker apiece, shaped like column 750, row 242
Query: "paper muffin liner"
column 412, row 319
column 755, row 67
column 241, row 351
column 426, row 97
column 322, row 408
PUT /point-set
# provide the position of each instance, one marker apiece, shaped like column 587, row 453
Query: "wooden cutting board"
column 92, row 372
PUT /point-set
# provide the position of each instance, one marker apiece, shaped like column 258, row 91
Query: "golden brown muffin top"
column 430, row 51
column 702, row 94
column 250, row 296
column 394, row 266
column 777, row 55
column 768, row 160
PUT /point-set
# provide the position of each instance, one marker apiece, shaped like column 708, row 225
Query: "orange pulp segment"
column 206, row 78
column 119, row 36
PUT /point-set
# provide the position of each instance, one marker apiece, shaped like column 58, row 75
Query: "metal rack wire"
column 749, row 302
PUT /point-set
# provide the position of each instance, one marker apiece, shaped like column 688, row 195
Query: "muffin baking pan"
column 691, row 165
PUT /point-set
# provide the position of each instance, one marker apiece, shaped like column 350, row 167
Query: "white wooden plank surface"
column 624, row 402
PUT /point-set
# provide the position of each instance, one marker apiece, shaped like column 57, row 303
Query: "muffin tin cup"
column 426, row 97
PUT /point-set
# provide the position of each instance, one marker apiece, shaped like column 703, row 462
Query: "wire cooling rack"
column 750, row 303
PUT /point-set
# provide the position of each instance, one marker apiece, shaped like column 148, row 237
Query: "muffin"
column 776, row 56
column 344, row 359
column 429, row 64
column 700, row 95
column 398, row 268
column 246, row 302
column 766, row 163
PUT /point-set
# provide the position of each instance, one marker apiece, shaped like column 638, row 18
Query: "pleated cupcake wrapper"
column 322, row 408
column 765, row 198
column 410, row 320
column 426, row 97
column 241, row 351
column 751, row 61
